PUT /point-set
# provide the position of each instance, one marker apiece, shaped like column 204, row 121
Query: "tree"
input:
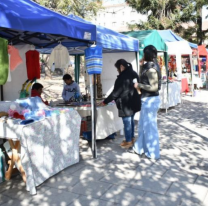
column 82, row 8
column 172, row 14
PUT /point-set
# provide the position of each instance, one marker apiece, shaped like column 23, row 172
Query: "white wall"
column 109, row 73
column 117, row 16
column 19, row 76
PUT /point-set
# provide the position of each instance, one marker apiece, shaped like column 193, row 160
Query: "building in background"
column 204, row 18
column 205, row 22
column 116, row 15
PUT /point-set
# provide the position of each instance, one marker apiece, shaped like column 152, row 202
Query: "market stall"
column 25, row 26
column 202, row 64
column 48, row 145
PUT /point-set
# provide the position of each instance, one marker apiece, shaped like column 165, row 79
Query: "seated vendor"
column 70, row 88
column 37, row 90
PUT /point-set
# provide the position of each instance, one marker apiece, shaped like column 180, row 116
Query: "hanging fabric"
column 15, row 59
column 9, row 79
column 4, row 61
column 59, row 56
column 94, row 60
column 33, row 64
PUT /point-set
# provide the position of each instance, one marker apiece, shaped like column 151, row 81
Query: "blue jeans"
column 148, row 140
column 128, row 127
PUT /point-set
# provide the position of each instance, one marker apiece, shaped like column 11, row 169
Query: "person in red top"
column 37, row 90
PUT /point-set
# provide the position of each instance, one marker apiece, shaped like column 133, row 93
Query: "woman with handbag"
column 127, row 99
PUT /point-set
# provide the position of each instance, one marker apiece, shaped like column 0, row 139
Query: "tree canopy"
column 82, row 8
column 172, row 14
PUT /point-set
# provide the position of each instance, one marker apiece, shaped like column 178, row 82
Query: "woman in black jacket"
column 127, row 99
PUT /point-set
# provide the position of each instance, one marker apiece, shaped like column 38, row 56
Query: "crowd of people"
column 133, row 93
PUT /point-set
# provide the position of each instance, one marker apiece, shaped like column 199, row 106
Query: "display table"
column 174, row 95
column 108, row 121
column 47, row 146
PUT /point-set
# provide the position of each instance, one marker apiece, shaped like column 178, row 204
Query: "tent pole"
column 94, row 113
column 95, row 117
column 192, row 75
column 2, row 93
column 166, row 66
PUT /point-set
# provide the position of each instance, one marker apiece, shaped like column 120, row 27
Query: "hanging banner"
column 94, row 60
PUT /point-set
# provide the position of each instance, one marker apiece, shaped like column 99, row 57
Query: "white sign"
column 87, row 35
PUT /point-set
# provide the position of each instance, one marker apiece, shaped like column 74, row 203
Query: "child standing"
column 70, row 88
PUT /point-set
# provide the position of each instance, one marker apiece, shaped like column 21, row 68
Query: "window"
column 123, row 22
column 114, row 23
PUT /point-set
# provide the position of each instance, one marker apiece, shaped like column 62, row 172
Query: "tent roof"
column 173, row 47
column 148, row 37
column 25, row 21
column 202, row 50
column 111, row 40
column 170, row 36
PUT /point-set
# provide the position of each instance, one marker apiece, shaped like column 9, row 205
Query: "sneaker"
column 126, row 144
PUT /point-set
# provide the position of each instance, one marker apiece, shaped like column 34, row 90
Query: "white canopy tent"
column 179, row 48
column 173, row 90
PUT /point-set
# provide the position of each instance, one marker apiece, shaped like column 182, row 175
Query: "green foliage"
column 82, row 8
column 171, row 14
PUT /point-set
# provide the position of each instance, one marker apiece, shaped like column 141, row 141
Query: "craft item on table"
column 94, row 60
column 59, row 56
column 32, row 103
column 28, row 121
column 24, row 111
column 15, row 59
column 48, row 113
column 16, row 115
column 4, row 61
column 55, row 112
column 11, row 112
column 40, row 113
column 32, row 116
column 33, row 64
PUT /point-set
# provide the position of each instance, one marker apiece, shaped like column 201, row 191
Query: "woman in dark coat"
column 127, row 99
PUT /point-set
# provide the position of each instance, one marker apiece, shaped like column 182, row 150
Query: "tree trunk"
column 47, row 68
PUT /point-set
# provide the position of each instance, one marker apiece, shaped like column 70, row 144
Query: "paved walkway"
column 180, row 177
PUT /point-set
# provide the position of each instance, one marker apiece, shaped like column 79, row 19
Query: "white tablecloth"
column 108, row 120
column 47, row 146
column 174, row 95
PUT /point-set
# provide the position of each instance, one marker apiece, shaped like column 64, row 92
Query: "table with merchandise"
column 43, row 147
column 108, row 121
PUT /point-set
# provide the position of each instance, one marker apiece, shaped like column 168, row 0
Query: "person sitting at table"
column 70, row 88
column 37, row 90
